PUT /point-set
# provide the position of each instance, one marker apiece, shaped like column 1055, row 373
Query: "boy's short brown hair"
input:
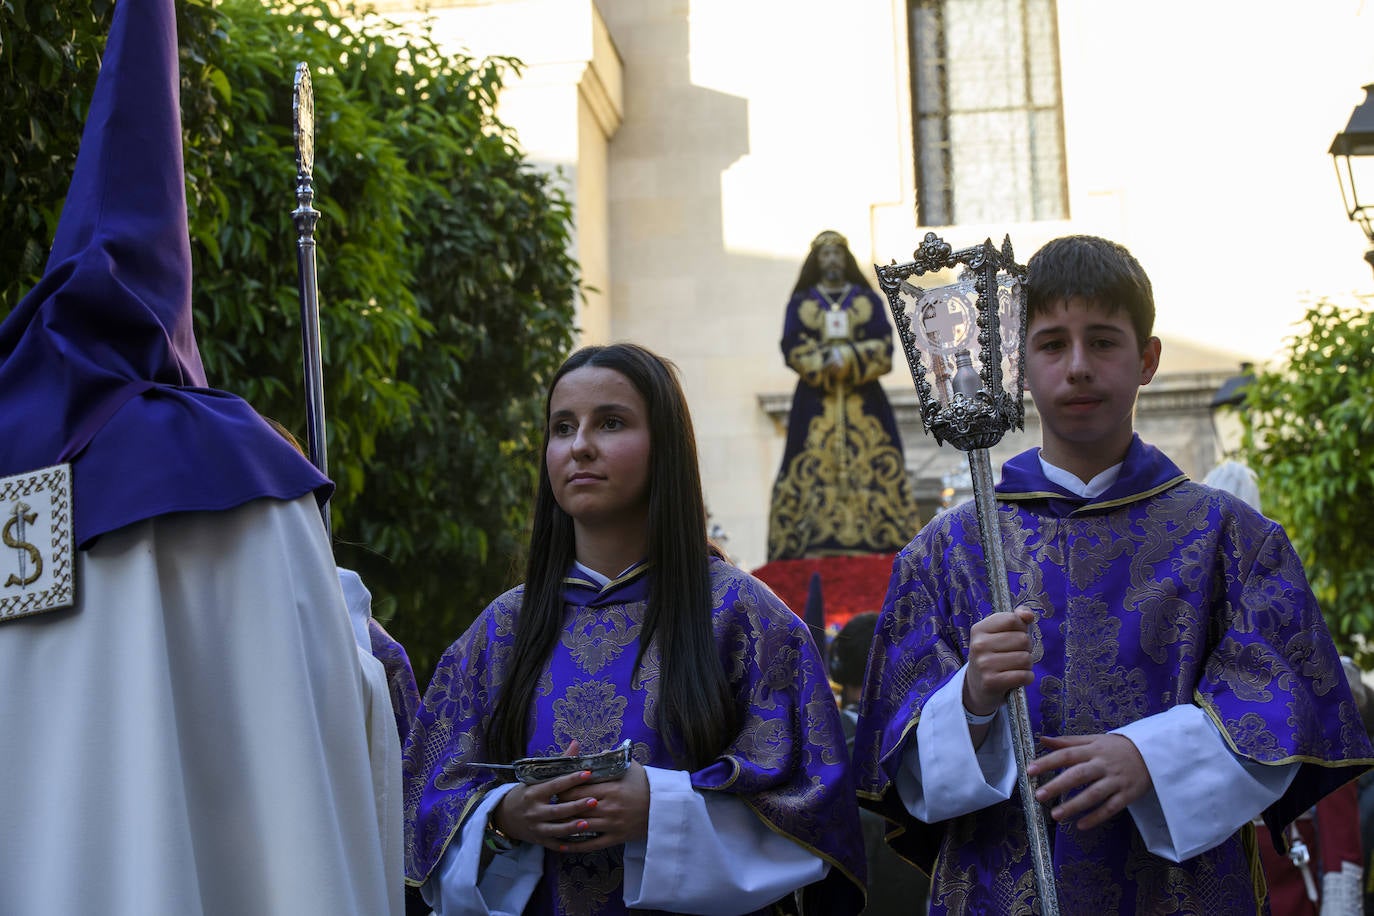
column 1096, row 269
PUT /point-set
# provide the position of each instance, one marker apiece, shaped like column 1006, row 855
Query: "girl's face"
column 598, row 451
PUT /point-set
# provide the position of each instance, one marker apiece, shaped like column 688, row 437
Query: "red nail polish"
column 591, row 803
column 582, row 825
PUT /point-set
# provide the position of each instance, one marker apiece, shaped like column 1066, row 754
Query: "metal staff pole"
column 972, row 409
column 305, row 216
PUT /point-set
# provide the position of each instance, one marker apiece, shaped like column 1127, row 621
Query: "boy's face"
column 1084, row 367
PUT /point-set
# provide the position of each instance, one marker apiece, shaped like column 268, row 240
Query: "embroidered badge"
column 37, row 556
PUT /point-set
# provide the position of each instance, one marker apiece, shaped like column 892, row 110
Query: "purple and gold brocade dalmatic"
column 1156, row 593
column 400, row 676
column 788, row 761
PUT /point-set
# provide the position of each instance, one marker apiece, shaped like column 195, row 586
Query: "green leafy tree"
column 49, row 56
column 445, row 288
column 1309, row 434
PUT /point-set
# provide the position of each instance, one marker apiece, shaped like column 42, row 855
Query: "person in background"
column 895, row 886
column 1320, row 872
column 1364, row 696
column 369, row 634
column 629, row 629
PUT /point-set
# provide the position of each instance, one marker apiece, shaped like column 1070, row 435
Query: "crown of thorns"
column 829, row 237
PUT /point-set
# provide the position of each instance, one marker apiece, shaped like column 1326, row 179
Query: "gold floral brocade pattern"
column 1173, row 597
column 786, row 761
column 848, row 486
column 843, row 487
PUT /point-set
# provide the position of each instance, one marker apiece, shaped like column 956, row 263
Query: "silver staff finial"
column 305, row 216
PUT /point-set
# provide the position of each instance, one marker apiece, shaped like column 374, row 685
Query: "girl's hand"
column 618, row 810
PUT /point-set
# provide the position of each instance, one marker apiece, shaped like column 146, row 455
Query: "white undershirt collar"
column 1071, row 482
column 598, row 578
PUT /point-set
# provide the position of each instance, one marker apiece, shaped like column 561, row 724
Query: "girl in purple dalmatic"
column 739, row 799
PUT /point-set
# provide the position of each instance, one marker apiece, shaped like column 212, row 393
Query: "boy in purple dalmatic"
column 1180, row 678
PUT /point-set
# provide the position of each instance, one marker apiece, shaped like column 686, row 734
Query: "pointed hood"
column 98, row 363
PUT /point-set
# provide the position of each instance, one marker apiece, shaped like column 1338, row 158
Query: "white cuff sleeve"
column 1200, row 792
column 941, row 774
column 708, row 853
column 460, row 887
column 1342, row 891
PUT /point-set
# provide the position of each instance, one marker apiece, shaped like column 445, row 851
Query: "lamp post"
column 966, row 346
column 1353, row 153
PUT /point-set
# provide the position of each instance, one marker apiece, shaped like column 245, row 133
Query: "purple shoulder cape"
column 1156, row 593
column 788, row 761
column 98, row 363
column 400, row 676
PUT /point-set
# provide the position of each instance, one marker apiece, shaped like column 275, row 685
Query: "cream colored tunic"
column 199, row 735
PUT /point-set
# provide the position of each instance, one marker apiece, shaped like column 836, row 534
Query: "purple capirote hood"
column 98, row 363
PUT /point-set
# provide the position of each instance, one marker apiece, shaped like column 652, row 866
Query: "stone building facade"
column 705, row 142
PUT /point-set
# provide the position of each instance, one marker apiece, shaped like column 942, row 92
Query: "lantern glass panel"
column 1356, row 176
column 944, row 324
column 1011, row 317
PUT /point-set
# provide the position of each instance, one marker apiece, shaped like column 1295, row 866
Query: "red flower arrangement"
column 849, row 585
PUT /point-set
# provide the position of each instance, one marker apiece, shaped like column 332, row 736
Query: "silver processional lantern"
column 965, row 355
column 966, row 344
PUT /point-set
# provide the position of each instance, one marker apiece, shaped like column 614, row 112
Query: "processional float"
column 966, row 344
column 305, row 216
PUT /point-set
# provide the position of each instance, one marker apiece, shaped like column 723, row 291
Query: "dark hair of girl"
column 696, row 713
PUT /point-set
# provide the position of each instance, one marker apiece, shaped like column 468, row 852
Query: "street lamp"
column 1353, row 153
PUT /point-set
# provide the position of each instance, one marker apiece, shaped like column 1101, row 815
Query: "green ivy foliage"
column 446, row 291
column 1309, row 435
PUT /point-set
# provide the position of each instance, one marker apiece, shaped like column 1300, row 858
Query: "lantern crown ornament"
column 964, row 341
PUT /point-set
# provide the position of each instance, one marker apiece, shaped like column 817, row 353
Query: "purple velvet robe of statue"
column 788, row 761
column 842, row 487
column 1158, row 592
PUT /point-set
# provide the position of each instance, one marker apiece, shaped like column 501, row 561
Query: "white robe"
column 199, row 735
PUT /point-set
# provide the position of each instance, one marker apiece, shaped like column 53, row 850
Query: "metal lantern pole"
column 973, row 409
column 305, row 216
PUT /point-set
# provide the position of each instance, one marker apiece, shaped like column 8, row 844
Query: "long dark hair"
column 694, row 703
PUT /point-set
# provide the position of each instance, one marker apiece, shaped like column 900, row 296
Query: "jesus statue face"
column 830, row 259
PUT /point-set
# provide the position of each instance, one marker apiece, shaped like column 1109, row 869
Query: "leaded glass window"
column 987, row 111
